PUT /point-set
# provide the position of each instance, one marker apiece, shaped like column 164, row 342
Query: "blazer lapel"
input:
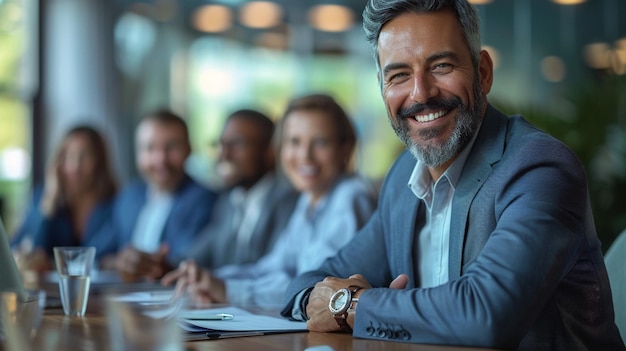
column 487, row 150
column 404, row 225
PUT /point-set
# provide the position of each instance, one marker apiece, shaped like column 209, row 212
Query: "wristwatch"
column 340, row 303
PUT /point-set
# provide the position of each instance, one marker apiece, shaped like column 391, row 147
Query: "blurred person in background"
column 317, row 143
column 74, row 204
column 156, row 218
column 257, row 201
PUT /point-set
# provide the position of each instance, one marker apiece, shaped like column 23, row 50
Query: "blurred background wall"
column 106, row 62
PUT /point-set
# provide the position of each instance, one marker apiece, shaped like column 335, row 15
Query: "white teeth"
column 307, row 170
column 430, row 117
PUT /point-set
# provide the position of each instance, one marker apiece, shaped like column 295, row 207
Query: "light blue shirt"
column 433, row 243
column 312, row 235
column 151, row 221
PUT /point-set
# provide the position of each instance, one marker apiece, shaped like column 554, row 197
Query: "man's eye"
column 397, row 77
column 443, row 68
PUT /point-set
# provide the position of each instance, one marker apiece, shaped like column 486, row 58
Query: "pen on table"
column 224, row 335
column 212, row 317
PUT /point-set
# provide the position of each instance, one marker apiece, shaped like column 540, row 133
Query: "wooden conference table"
column 90, row 333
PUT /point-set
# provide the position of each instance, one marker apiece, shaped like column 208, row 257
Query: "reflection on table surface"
column 58, row 332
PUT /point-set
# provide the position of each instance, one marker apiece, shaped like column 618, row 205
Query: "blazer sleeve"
column 32, row 222
column 189, row 216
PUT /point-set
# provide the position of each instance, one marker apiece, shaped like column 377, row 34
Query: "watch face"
column 339, row 301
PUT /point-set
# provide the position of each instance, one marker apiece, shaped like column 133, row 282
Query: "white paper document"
column 241, row 321
column 219, row 322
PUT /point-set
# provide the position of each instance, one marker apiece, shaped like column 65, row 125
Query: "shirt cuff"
column 298, row 311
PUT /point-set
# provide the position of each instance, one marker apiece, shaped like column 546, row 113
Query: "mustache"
column 432, row 104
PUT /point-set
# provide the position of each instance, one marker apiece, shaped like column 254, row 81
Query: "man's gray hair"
column 378, row 12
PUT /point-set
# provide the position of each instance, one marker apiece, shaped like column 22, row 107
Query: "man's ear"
column 485, row 70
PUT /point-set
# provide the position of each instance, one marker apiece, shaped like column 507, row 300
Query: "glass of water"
column 144, row 321
column 74, row 266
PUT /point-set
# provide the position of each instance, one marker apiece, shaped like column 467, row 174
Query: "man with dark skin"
column 257, row 201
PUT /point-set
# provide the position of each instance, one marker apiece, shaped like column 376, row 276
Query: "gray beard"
column 467, row 123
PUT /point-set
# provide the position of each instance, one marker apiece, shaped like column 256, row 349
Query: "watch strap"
column 342, row 318
column 342, row 321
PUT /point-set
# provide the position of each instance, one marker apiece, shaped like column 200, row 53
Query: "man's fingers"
column 172, row 276
column 193, row 272
column 181, row 286
column 400, row 282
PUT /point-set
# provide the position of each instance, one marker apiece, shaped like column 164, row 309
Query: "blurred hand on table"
column 133, row 265
column 199, row 283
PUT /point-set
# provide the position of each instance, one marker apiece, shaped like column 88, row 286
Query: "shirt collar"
column 420, row 181
column 239, row 195
column 158, row 195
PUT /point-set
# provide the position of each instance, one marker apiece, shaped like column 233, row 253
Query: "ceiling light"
column 569, row 2
column 597, row 55
column 212, row 18
column 553, row 69
column 480, row 2
column 331, row 18
column 260, row 14
column 617, row 61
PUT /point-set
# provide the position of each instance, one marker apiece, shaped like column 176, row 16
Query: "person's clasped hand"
column 198, row 283
column 133, row 264
column 320, row 317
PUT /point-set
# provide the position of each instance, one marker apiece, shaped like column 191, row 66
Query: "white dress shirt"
column 433, row 243
column 151, row 221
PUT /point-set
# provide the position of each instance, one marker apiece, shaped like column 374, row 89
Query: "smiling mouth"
column 430, row 116
column 307, row 171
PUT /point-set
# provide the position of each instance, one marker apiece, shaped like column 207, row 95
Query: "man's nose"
column 423, row 88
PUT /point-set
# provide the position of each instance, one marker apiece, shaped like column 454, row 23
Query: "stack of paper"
column 215, row 323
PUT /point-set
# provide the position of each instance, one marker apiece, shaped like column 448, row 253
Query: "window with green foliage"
column 15, row 86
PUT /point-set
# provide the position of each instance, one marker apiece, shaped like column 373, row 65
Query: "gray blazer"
column 525, row 267
column 216, row 245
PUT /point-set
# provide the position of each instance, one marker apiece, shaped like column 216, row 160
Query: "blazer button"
column 381, row 333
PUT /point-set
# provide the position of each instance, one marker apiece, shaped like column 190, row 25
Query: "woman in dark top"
column 74, row 204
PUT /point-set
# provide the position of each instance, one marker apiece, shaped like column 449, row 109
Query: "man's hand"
column 199, row 283
column 132, row 264
column 320, row 318
column 400, row 282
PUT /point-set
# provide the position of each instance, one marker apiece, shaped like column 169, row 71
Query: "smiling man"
column 157, row 218
column 257, row 201
column 492, row 244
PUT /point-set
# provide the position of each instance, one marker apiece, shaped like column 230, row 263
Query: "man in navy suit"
column 257, row 202
column 156, row 218
column 492, row 244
